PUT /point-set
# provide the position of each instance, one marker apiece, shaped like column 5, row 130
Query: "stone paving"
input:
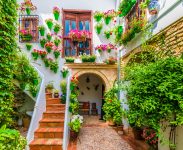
column 96, row 135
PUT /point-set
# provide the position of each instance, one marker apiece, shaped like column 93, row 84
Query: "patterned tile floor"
column 96, row 135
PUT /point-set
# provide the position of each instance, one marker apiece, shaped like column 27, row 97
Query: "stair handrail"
column 67, row 114
column 39, row 108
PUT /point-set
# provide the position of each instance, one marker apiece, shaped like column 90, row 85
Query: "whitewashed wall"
column 91, row 95
column 44, row 10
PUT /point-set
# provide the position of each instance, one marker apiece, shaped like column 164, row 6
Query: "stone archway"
column 108, row 73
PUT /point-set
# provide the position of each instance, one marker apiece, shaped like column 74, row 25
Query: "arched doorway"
column 92, row 88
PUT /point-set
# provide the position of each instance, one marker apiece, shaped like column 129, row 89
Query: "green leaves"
column 155, row 92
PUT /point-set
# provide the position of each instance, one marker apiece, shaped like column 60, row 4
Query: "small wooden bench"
column 84, row 108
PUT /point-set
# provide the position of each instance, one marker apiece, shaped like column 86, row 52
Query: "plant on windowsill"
column 27, row 6
column 56, row 93
column 49, row 37
column 111, row 61
column 64, row 71
column 125, row 7
column 43, row 42
column 41, row 30
column 57, row 41
column 28, row 46
column 49, row 87
column 108, row 16
column 88, row 58
column 49, row 23
column 105, row 47
column 108, row 34
column 98, row 16
column 75, row 126
column 49, row 46
column 25, row 35
column 35, row 54
column 56, row 13
column 98, row 27
column 56, row 28
column 69, row 59
column 54, row 66
column 112, row 107
column 79, row 36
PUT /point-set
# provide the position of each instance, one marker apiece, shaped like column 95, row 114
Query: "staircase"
column 49, row 135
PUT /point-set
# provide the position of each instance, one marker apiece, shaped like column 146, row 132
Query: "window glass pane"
column 67, row 52
column 87, row 25
column 73, row 25
column 87, row 51
column 81, row 27
column 67, row 27
column 73, row 52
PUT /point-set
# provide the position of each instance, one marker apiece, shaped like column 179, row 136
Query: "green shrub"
column 11, row 140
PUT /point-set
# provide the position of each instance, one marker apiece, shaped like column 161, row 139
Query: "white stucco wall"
column 170, row 17
column 91, row 95
column 44, row 10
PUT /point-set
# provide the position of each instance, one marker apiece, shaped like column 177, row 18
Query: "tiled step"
column 48, row 95
column 54, row 114
column 46, row 144
column 49, row 133
column 53, row 101
column 47, row 122
column 55, row 107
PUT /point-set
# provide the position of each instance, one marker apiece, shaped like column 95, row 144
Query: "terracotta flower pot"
column 137, row 133
column 73, row 135
column 56, row 95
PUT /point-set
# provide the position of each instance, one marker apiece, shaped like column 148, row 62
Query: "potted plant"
column 41, row 30
column 56, row 28
column 35, row 54
column 49, row 87
column 47, row 62
column 98, row 27
column 57, row 41
column 64, row 71
column 75, row 126
column 78, row 36
column 108, row 16
column 151, row 138
column 27, row 6
column 110, row 47
column 54, row 66
column 153, row 7
column 49, row 36
column 111, row 60
column 49, row 23
column 56, row 93
column 69, row 59
column 49, row 46
column 56, row 53
column 112, row 108
column 108, row 34
column 98, row 16
column 42, row 54
column 88, row 58
column 43, row 42
column 63, row 86
column 56, row 12
column 74, row 82
column 26, row 35
column 28, row 46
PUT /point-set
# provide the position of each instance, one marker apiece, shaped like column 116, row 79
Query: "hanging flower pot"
column 35, row 54
column 57, row 41
column 108, row 34
column 98, row 16
column 56, row 53
column 56, row 28
column 108, row 50
column 49, row 37
column 49, row 46
column 107, row 20
column 54, row 66
column 28, row 11
column 43, row 42
column 49, row 23
column 29, row 46
column 46, row 62
column 42, row 54
column 108, row 16
column 56, row 13
column 99, row 27
column 64, row 74
column 153, row 7
column 41, row 30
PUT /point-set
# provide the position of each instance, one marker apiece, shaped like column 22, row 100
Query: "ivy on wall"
column 8, row 46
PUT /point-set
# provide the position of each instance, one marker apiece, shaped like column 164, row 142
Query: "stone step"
column 49, row 133
column 53, row 101
column 47, row 122
column 55, row 107
column 46, row 144
column 48, row 95
column 54, row 114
